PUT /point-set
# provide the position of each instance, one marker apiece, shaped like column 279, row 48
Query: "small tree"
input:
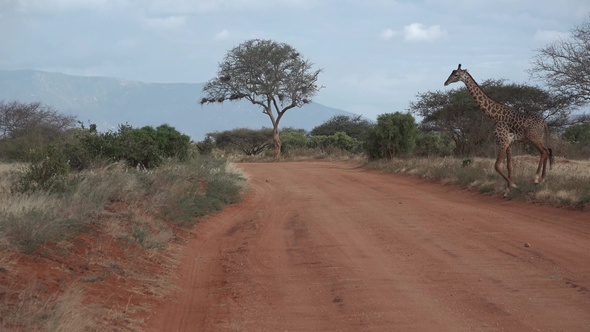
column 394, row 134
column 270, row 75
column 28, row 126
column 565, row 65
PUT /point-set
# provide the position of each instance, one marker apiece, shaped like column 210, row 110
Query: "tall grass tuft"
column 30, row 312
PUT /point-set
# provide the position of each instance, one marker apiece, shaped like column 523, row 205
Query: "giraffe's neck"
column 490, row 107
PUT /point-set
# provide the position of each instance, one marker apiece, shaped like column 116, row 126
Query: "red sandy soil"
column 118, row 279
column 327, row 246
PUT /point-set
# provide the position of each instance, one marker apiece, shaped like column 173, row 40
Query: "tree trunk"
column 277, row 140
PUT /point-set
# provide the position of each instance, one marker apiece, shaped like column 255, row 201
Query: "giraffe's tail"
column 550, row 158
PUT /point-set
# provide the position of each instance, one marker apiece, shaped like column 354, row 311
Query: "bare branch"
column 564, row 65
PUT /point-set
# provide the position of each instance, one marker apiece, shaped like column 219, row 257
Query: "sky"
column 376, row 56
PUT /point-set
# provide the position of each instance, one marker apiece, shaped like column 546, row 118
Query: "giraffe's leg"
column 509, row 162
column 540, row 173
column 498, row 166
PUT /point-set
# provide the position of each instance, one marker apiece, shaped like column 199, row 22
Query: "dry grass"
column 567, row 184
column 26, row 311
column 138, row 214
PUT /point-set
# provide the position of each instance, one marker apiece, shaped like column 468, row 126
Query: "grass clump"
column 29, row 312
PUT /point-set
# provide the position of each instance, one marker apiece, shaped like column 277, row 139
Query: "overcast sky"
column 376, row 55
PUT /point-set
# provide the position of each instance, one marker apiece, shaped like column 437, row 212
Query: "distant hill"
column 108, row 102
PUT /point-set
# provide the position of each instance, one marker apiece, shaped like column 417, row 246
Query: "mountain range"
column 109, row 102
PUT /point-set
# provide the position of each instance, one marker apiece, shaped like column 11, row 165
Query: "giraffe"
column 510, row 126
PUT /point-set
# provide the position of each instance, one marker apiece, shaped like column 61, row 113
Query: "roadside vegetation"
column 147, row 212
column 139, row 189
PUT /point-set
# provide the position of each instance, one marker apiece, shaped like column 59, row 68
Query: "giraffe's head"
column 456, row 75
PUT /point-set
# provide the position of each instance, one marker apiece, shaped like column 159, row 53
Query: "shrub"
column 47, row 170
column 138, row 147
column 172, row 143
column 433, row 145
column 339, row 140
column 394, row 134
column 292, row 140
column 355, row 127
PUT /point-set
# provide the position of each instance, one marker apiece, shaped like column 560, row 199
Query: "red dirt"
column 118, row 278
column 327, row 246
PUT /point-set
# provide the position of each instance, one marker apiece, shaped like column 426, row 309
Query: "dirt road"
column 321, row 246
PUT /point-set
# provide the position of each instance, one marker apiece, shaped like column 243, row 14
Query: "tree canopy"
column 26, row 126
column 18, row 119
column 271, row 75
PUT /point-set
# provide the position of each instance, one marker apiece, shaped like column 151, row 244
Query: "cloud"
column 417, row 32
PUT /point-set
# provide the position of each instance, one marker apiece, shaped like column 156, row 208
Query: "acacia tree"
column 271, row 75
column 26, row 126
column 565, row 65
column 18, row 119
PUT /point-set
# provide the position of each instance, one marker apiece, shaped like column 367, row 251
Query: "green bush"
column 355, row 127
column 293, row 140
column 339, row 140
column 47, row 170
column 138, row 147
column 393, row 135
column 171, row 143
column 144, row 147
column 433, row 145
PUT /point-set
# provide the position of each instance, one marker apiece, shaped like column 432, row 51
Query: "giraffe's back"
column 527, row 126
